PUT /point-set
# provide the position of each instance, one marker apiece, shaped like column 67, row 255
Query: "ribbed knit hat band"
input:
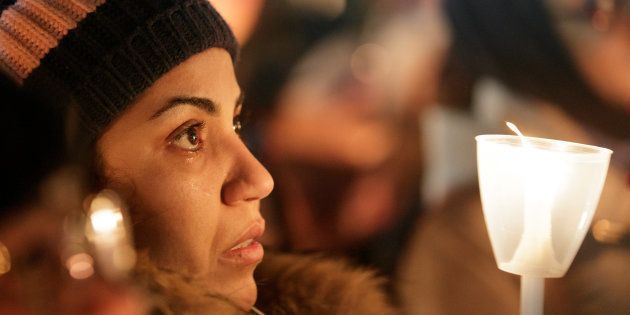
column 30, row 28
column 101, row 54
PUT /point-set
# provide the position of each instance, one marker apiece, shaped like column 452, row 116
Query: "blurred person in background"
column 159, row 108
column 343, row 152
column 40, row 191
column 242, row 16
column 558, row 69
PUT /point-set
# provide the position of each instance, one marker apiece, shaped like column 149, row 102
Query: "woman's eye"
column 189, row 139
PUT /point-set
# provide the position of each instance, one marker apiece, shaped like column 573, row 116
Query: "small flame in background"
column 80, row 266
column 5, row 260
column 106, row 221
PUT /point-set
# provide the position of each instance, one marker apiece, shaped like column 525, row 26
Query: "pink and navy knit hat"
column 101, row 54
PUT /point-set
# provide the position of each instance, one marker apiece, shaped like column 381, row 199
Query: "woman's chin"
column 245, row 298
column 242, row 294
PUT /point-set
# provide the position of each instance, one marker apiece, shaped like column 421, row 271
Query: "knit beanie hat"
column 101, row 54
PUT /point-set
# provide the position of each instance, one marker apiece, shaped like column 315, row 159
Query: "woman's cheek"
column 181, row 216
column 176, row 238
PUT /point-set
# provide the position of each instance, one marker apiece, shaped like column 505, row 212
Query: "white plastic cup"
column 539, row 197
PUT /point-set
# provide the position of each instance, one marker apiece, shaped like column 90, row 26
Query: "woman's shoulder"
column 312, row 284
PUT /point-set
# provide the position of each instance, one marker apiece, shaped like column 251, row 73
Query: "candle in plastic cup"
column 538, row 197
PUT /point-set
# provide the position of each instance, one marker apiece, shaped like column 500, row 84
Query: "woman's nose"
column 248, row 181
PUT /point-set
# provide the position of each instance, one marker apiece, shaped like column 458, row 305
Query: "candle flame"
column 106, row 221
column 535, row 247
column 108, row 231
column 5, row 260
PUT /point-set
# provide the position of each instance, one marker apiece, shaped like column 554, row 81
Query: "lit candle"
column 539, row 197
column 542, row 179
column 108, row 232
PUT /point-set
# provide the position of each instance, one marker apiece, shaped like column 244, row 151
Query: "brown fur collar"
column 287, row 284
column 171, row 292
column 298, row 284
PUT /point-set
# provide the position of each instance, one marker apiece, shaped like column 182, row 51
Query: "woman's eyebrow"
column 203, row 103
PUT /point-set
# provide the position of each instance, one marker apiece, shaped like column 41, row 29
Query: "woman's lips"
column 249, row 254
column 247, row 250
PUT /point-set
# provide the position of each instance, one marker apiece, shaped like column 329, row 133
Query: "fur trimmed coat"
column 287, row 284
column 297, row 284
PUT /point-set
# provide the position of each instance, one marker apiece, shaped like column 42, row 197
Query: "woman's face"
column 193, row 186
column 605, row 62
column 600, row 45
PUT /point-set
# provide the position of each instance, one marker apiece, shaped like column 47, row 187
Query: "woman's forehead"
column 208, row 75
column 210, row 72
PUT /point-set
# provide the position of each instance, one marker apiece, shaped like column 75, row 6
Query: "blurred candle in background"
column 108, row 231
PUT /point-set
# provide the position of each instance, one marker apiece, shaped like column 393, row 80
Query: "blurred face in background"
column 598, row 35
column 334, row 145
column 193, row 186
column 330, row 113
column 241, row 15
